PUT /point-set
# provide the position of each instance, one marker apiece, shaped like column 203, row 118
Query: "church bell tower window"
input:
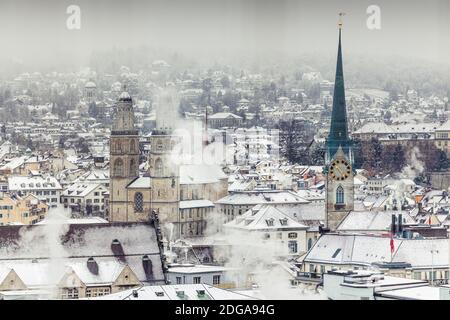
column 138, row 202
column 340, row 195
column 118, row 168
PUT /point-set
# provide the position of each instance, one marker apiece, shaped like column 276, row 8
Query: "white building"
column 237, row 203
column 86, row 198
column 274, row 227
column 199, row 274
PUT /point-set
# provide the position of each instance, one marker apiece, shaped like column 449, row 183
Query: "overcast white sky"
column 36, row 30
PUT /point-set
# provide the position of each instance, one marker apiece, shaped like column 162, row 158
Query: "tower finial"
column 341, row 14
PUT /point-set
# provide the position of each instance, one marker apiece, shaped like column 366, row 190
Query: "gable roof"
column 371, row 220
column 362, row 249
column 28, row 247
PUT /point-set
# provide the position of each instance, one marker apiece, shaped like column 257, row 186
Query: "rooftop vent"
column 159, row 294
column 200, row 293
column 116, row 248
column 92, row 265
column 135, row 294
column 180, row 294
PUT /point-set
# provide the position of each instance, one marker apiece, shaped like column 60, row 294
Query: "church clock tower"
column 124, row 158
column 339, row 157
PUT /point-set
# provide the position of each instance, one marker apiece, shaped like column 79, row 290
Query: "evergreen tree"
column 443, row 162
column 373, row 153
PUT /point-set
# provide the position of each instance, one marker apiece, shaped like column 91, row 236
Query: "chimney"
column 400, row 224
column 148, row 268
column 201, row 293
column 92, row 265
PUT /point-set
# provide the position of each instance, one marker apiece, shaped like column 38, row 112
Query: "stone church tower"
column 164, row 171
column 124, row 158
column 339, row 157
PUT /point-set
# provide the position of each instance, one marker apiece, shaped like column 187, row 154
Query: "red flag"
column 429, row 220
column 392, row 244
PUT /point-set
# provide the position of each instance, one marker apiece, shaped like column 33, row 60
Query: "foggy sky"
column 35, row 31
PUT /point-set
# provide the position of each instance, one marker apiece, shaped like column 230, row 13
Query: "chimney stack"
column 393, row 224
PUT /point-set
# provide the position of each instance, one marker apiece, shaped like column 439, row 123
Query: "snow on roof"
column 86, row 220
column 79, row 189
column 124, row 96
column 371, row 220
column 94, row 176
column 200, row 268
column 14, row 163
column 79, row 241
column 374, row 127
column 224, row 115
column 361, row 249
column 413, row 293
column 31, row 273
column 199, row 174
column 311, row 195
column 108, row 271
column 4, row 271
column 241, row 185
column 90, row 84
column 176, row 292
column 264, row 218
column 445, row 126
column 33, row 183
column 408, row 128
column 140, row 183
column 186, row 204
column 307, row 213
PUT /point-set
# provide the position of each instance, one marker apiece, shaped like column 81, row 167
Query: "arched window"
column 118, row 168
column 159, row 167
column 118, row 146
column 138, row 202
column 309, row 243
column 339, row 195
column 132, row 167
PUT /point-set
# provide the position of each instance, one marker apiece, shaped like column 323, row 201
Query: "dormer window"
column 284, row 222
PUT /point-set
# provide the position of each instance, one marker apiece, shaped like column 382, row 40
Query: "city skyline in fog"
column 35, row 33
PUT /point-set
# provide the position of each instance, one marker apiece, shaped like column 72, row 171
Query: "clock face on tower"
column 340, row 170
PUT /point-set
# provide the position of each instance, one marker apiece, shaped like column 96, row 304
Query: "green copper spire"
column 338, row 135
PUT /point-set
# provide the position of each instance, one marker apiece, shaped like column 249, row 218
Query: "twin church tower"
column 132, row 197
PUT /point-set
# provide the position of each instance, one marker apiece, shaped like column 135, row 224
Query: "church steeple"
column 339, row 167
column 338, row 135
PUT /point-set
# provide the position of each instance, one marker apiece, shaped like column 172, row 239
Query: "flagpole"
column 432, row 264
